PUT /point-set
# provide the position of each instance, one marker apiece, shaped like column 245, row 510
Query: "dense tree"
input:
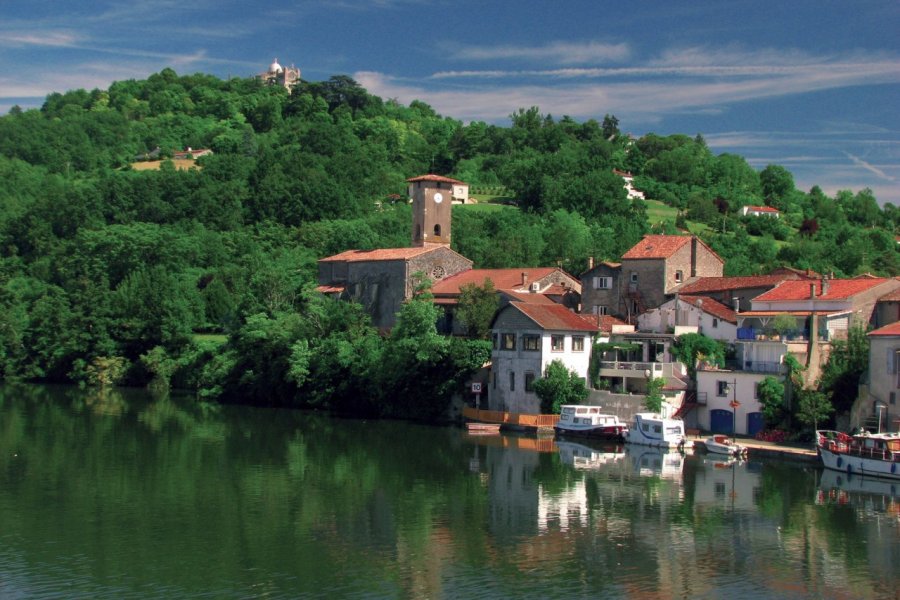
column 559, row 386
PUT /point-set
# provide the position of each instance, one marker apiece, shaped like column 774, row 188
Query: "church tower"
column 432, row 197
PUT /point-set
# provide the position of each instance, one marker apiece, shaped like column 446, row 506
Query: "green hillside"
column 110, row 271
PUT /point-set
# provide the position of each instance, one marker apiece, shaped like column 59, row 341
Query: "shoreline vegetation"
column 203, row 278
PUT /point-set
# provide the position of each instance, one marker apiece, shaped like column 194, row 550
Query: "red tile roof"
column 891, row 297
column 432, row 177
column 380, row 254
column 838, row 289
column 892, row 329
column 503, row 279
column 529, row 297
column 555, row 317
column 604, row 323
column 657, row 246
column 767, row 209
column 716, row 309
column 330, row 289
column 722, row 284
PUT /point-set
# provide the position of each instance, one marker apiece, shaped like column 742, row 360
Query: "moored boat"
column 871, row 454
column 650, row 429
column 588, row 421
column 722, row 444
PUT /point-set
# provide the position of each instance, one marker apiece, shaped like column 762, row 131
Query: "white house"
column 629, row 185
column 527, row 338
column 711, row 318
column 719, row 390
column 760, row 211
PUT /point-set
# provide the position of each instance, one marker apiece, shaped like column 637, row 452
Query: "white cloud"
column 39, row 37
column 557, row 52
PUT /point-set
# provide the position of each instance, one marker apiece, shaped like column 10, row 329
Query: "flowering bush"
column 772, row 435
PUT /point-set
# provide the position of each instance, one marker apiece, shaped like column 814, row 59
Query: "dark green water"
column 127, row 496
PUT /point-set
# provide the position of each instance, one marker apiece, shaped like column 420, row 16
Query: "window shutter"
column 891, row 361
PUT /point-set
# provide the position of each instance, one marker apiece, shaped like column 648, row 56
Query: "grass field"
column 182, row 164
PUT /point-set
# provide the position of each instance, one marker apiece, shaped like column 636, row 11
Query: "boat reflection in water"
column 659, row 462
column 868, row 493
column 589, row 456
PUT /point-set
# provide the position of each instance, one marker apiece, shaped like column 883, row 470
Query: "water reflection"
column 133, row 495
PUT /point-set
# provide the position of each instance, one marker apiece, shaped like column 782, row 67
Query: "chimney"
column 524, row 279
column 825, row 286
column 693, row 256
column 812, row 290
column 590, row 262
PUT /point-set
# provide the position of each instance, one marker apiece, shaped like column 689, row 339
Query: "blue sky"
column 810, row 85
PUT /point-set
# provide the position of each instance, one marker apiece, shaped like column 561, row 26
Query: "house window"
column 577, row 343
column 508, row 341
column 557, row 343
column 633, row 277
column 679, row 276
column 529, row 381
column 722, row 389
column 512, row 381
column 601, row 310
column 531, row 342
column 602, row 283
column 715, row 322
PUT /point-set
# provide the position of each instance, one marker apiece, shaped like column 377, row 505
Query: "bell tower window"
column 437, row 230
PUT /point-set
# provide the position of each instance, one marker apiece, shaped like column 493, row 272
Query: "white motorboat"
column 650, row 429
column 722, row 444
column 588, row 421
column 870, row 454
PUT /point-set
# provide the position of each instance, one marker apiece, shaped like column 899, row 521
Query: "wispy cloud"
column 48, row 37
column 869, row 167
column 565, row 53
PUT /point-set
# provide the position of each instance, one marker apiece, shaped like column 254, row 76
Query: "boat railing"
column 862, row 452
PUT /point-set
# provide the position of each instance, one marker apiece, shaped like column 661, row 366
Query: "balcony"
column 630, row 368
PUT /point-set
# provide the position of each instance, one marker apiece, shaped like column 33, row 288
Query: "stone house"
column 541, row 285
column 835, row 304
column 877, row 406
column 736, row 292
column 383, row 279
column 705, row 315
column 647, row 273
column 527, row 337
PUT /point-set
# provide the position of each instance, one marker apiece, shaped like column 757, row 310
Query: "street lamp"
column 734, row 406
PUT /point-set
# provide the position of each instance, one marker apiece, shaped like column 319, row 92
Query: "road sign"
column 476, row 387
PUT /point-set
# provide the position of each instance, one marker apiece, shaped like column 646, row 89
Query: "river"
column 127, row 495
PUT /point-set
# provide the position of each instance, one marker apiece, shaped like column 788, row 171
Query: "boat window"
column 645, row 426
column 581, row 411
column 677, row 431
column 567, row 410
column 595, row 411
column 657, row 429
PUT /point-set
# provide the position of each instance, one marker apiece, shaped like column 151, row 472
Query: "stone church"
column 384, row 278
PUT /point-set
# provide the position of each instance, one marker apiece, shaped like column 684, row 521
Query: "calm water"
column 127, row 496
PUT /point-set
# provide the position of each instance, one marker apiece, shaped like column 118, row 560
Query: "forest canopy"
column 202, row 276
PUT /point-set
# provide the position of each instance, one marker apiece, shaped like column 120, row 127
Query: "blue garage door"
column 755, row 423
column 721, row 421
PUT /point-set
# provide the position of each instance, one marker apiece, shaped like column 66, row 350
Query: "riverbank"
column 761, row 449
